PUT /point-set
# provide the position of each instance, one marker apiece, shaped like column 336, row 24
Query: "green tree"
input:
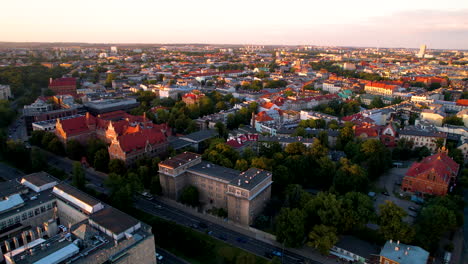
column 221, row 129
column 295, row 196
column 101, row 160
column 358, row 209
column 323, row 238
column 55, row 146
column 78, row 175
column 295, row 148
column 439, row 220
column 241, row 165
column 377, row 102
column 453, row 120
column 74, row 150
column 391, row 223
column 190, row 196
column 290, row 227
column 117, row 166
column 38, row 161
column 36, row 137
column 350, row 177
column 377, row 157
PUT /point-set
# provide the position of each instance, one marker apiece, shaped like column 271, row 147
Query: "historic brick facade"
column 129, row 137
column 433, row 175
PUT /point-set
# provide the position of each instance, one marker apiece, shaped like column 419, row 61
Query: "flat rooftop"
column 212, row 170
column 179, row 160
column 114, row 220
column 77, row 194
column 40, row 178
column 251, row 178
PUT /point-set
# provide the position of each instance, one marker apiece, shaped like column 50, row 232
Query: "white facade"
column 87, row 207
column 331, row 87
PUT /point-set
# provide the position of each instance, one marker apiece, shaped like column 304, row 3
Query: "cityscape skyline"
column 363, row 24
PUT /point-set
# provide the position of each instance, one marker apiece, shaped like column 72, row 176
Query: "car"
column 241, row 240
column 157, row 206
column 277, row 253
column 210, row 232
column 222, row 237
column 62, row 228
column 194, row 226
column 412, row 208
column 159, row 256
column 386, row 193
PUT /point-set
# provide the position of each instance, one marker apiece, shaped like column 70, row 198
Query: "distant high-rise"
column 422, row 51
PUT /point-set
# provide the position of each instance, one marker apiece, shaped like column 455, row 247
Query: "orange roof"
column 263, row 117
column 463, row 102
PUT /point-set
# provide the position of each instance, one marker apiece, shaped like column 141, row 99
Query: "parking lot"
column 390, row 182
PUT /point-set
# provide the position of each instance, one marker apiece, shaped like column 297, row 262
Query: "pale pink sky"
column 396, row 23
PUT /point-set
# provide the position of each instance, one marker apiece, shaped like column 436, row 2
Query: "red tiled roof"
column 138, row 140
column 463, row 102
column 267, row 105
column 234, row 143
column 75, row 126
column 381, row 85
column 368, row 131
column 263, row 117
column 62, row 82
column 443, row 166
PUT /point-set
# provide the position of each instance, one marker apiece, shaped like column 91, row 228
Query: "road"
column 258, row 247
column 169, row 258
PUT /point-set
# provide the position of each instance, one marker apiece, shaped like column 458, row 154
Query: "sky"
column 366, row 23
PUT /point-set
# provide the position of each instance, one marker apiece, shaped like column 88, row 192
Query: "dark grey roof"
column 114, row 220
column 357, row 246
column 315, row 132
column 422, row 133
column 285, row 139
column 40, row 178
column 201, row 135
column 250, row 178
column 179, row 143
column 213, row 170
column 179, row 160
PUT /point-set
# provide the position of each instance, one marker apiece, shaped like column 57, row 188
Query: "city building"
column 399, row 253
column 422, row 51
column 44, row 221
column 49, row 125
column 5, row 92
column 422, row 137
column 380, row 88
column 433, row 175
column 130, row 137
column 242, row 194
column 41, row 110
column 192, row 98
column 110, row 105
column 62, row 86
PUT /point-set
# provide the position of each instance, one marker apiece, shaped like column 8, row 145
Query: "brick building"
column 63, row 86
column 433, row 175
column 129, row 137
column 242, row 194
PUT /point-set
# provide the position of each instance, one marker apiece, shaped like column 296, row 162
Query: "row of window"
column 25, row 215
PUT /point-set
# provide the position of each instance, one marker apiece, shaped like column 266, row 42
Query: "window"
column 36, row 211
column 49, row 206
column 17, row 219
column 24, row 216
column 10, row 221
column 31, row 213
column 43, row 209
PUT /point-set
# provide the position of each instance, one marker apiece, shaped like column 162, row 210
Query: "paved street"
column 388, row 181
column 169, row 258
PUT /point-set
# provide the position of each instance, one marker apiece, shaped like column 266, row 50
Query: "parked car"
column 159, row 256
column 241, row 240
column 277, row 253
column 386, row 193
column 412, row 208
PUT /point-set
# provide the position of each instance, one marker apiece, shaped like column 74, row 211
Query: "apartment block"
column 242, row 194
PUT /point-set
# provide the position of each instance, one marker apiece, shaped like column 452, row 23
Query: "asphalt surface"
column 258, row 247
column 169, row 258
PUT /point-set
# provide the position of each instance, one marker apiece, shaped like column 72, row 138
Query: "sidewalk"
column 253, row 233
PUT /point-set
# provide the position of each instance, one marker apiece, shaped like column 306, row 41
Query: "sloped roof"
column 263, row 117
column 440, row 163
column 62, row 82
column 138, row 140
